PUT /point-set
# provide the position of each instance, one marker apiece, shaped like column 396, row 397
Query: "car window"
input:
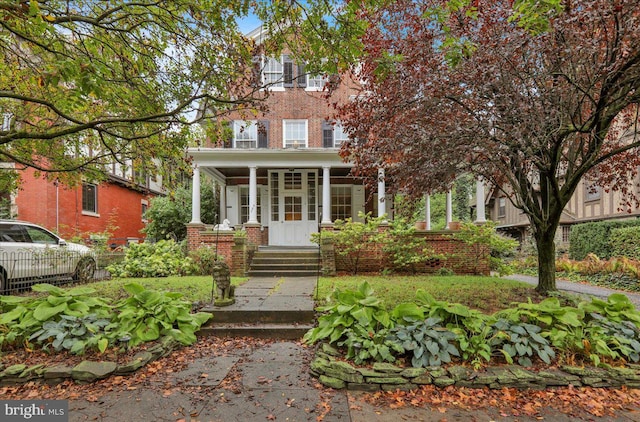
column 38, row 235
column 13, row 233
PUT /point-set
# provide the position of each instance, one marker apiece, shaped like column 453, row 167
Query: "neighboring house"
column 116, row 205
column 589, row 203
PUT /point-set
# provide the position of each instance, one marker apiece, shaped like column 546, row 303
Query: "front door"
column 293, row 207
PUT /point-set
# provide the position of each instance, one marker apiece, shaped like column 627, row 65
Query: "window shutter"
column 227, row 135
column 327, row 134
column 263, row 134
column 301, row 76
column 287, row 71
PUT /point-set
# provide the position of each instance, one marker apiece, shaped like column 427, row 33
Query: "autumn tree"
column 87, row 83
column 532, row 100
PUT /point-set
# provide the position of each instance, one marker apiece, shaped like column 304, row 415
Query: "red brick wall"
column 198, row 235
column 459, row 257
column 117, row 206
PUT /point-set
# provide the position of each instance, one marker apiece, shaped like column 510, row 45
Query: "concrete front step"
column 250, row 316
column 284, row 266
column 272, row 331
column 282, row 273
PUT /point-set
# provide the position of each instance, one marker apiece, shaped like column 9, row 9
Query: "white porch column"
column 253, row 196
column 381, row 193
column 195, row 196
column 427, row 211
column 222, row 201
column 480, row 218
column 449, row 213
column 326, row 195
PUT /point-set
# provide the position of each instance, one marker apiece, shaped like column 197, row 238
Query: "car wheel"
column 85, row 270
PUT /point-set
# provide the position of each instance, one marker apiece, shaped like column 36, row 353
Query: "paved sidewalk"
column 579, row 288
column 274, row 383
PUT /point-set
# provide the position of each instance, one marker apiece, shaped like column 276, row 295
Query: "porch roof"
column 220, row 162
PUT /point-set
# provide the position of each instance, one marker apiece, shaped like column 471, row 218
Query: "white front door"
column 293, row 207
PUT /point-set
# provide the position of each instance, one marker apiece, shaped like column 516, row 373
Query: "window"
column 333, row 135
column 293, row 181
column 293, row 208
column 340, row 202
column 89, row 198
column 316, row 82
column 145, row 207
column 294, row 133
column 244, row 204
column 311, row 196
column 566, row 234
column 274, row 197
column 593, row 192
column 272, row 73
column 245, row 134
column 502, row 207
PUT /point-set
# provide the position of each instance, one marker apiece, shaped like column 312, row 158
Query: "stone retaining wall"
column 86, row 371
column 339, row 374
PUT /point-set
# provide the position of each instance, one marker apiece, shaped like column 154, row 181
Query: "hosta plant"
column 73, row 333
column 611, row 340
column 347, row 309
column 520, row 341
column 363, row 345
column 429, row 343
column 148, row 314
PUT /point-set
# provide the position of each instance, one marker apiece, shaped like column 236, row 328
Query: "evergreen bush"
column 594, row 237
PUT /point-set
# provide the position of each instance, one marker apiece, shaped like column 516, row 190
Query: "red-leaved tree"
column 532, row 109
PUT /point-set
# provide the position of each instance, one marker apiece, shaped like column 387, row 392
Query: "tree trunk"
column 546, row 262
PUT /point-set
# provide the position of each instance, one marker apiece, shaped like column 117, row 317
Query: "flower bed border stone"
column 335, row 373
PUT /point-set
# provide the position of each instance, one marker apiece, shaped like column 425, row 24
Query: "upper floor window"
column 245, row 134
column 316, row 82
column 272, row 73
column 294, row 133
column 333, row 135
column 90, row 198
column 283, row 72
column 593, row 192
column 502, row 207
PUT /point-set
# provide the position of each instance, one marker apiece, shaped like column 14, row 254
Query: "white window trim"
column 284, row 134
column 247, row 124
column 279, row 87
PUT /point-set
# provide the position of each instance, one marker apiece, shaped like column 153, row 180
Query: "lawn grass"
column 486, row 294
column 194, row 288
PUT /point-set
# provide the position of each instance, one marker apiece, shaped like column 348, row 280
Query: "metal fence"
column 19, row 270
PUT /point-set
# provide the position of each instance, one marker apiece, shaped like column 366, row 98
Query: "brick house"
column 280, row 174
column 115, row 205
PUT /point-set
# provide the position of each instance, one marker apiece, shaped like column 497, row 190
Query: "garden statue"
column 222, row 278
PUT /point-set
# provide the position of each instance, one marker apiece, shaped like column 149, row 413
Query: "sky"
column 248, row 23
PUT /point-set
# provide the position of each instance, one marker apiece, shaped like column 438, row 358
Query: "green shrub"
column 352, row 238
column 203, row 260
column 625, row 242
column 594, row 238
column 405, row 250
column 160, row 259
column 485, row 243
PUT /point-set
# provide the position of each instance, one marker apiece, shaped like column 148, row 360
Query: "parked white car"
column 30, row 253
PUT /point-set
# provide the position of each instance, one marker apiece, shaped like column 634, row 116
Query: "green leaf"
column 48, row 288
column 45, row 311
column 103, row 343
